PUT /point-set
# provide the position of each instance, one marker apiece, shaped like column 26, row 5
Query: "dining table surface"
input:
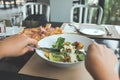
column 113, row 29
column 35, row 66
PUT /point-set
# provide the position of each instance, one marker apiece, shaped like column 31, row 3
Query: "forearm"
column 2, row 50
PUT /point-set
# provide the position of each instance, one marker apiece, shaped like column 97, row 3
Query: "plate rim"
column 95, row 26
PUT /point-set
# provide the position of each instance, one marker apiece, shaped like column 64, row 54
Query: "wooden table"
column 37, row 67
column 112, row 28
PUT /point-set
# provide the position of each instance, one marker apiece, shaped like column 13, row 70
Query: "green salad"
column 69, row 52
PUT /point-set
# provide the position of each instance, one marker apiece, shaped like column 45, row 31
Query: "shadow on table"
column 14, row 64
column 14, row 76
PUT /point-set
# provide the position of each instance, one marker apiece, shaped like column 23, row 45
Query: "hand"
column 16, row 45
column 100, row 62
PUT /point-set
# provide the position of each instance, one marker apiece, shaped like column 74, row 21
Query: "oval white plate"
column 93, row 30
column 50, row 40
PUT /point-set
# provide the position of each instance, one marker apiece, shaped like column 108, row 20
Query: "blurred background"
column 111, row 9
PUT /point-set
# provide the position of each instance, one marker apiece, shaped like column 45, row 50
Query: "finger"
column 30, row 48
column 92, row 46
column 26, row 49
column 33, row 42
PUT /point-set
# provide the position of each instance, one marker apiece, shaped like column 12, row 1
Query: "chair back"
column 86, row 13
column 32, row 8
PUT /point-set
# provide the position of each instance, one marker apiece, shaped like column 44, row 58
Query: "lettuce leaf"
column 59, row 43
column 56, row 57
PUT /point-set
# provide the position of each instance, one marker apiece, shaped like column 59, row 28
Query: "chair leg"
column 10, row 5
column 4, row 2
column 15, row 5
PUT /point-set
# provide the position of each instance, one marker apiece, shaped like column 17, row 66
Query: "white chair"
column 86, row 13
column 36, row 8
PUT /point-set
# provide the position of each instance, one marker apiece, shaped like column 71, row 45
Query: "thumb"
column 26, row 49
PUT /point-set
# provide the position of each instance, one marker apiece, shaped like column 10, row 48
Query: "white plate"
column 93, row 30
column 11, row 31
column 50, row 40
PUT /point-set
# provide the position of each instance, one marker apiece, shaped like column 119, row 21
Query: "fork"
column 46, row 49
column 108, row 32
column 74, row 27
